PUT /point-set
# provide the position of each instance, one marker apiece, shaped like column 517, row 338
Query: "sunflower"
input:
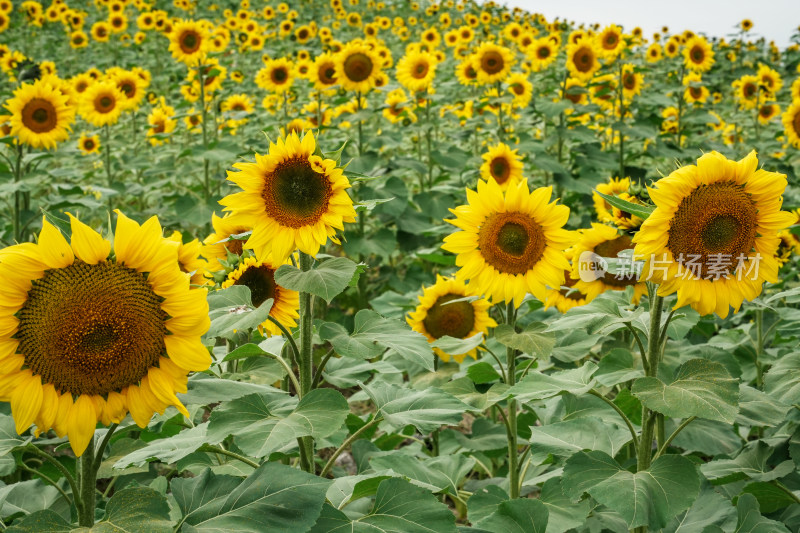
column 601, row 241
column 131, row 86
column 698, row 54
column 101, row 103
column 293, row 198
column 521, row 89
column 189, row 259
column 610, row 42
column 218, row 245
column 695, row 92
column 603, row 91
column 100, row 31
column 450, row 307
column 161, row 121
column 766, row 112
column 397, row 108
column 466, row 73
column 541, row 53
column 582, row 60
column 259, row 277
column 492, row 62
column 78, row 39
column 614, row 187
column 567, row 296
column 632, row 81
column 769, row 80
column 575, row 92
column 323, row 73
column 188, row 42
column 713, row 235
column 40, row 116
column 416, row 70
column 89, row 336
column 277, row 75
column 746, row 24
column 654, row 53
column 89, row 144
column 789, row 246
column 502, row 165
column 357, row 67
column 510, row 244
column 791, row 123
column 622, row 219
column 746, row 91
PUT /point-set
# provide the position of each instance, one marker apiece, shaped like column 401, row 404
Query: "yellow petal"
column 54, row 249
column 81, row 422
column 88, row 245
column 139, row 410
column 187, row 352
column 26, row 401
column 162, row 387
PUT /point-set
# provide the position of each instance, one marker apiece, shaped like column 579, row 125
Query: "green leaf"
column 40, row 521
column 701, row 388
column 453, row 346
column 759, row 409
column 168, row 450
column 617, row 367
column 326, row 280
column 135, row 509
column 604, row 314
column 563, row 439
column 710, row 509
column 484, row 502
column 751, row 463
column 437, row 474
column 275, row 498
column 750, row 519
column 373, row 334
column 532, row 340
column 650, row 498
column 350, row 488
column 482, row 372
column 426, row 410
column 539, row 386
column 563, row 514
column 262, row 424
column 245, row 351
column 229, row 315
column 782, row 381
column 641, row 211
column 399, row 507
column 517, row 516
column 770, row 497
column 28, row 497
column 8, row 435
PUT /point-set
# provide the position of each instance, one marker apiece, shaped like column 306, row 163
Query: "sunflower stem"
column 107, row 153
column 87, row 482
column 513, row 458
column 759, row 347
column 102, row 448
column 653, row 357
column 305, row 361
column 621, row 124
column 17, row 194
column 206, row 181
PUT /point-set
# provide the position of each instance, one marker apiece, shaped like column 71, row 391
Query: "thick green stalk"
column 305, row 362
column 653, row 357
column 18, row 195
column 206, row 179
column 759, row 347
column 513, row 458
column 107, row 153
column 87, row 482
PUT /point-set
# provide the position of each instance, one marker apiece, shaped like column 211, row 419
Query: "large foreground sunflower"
column 259, row 277
column 713, row 235
column 88, row 335
column 510, row 244
column 446, row 308
column 40, row 115
column 293, row 198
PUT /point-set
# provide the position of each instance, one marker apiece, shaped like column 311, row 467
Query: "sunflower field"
column 394, row 267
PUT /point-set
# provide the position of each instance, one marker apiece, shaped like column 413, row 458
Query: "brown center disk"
column 453, row 319
column 91, row 329
column 492, row 62
column 39, row 115
column 358, row 67
column 295, row 194
column 512, row 242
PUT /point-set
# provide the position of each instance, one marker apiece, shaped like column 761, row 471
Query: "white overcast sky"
column 773, row 19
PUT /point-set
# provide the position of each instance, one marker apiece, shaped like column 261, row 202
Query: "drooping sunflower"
column 541, row 53
column 357, row 67
column 502, row 165
column 445, row 308
column 161, row 121
column 89, row 144
column 492, row 62
column 293, row 198
column 89, row 336
column 713, row 235
column 510, row 244
column 416, row 70
column 605, row 242
column 40, row 115
column 698, row 54
column 791, row 123
column 101, row 103
column 582, row 60
column 219, row 244
column 259, row 277
column 188, row 42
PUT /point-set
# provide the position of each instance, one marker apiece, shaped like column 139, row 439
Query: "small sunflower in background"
column 357, row 67
column 521, row 89
column 654, row 53
column 614, row 187
column 502, row 165
column 542, row 52
column 40, row 115
column 767, row 112
column 567, row 296
column 89, row 144
column 89, row 336
column 746, row 24
column 606, row 242
column 161, row 121
column 512, row 244
column 188, row 42
column 101, row 104
column 610, row 42
column 323, row 73
column 259, row 277
column 132, row 87
column 788, row 247
column 791, row 123
column 713, row 235
column 293, row 198
column 416, row 70
column 449, row 307
column 582, row 59
column 492, row 62
column 698, row 54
